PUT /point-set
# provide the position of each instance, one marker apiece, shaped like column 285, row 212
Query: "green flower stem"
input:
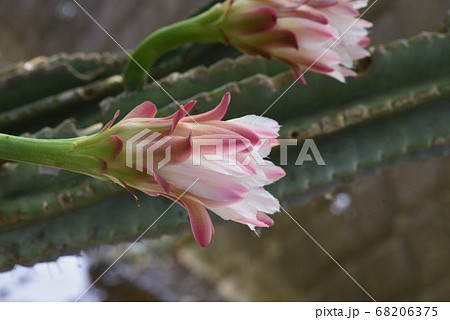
column 197, row 29
column 57, row 153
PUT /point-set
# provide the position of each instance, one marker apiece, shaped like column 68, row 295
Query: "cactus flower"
column 201, row 162
column 177, row 157
column 297, row 32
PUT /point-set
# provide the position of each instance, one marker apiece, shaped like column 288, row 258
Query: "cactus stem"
column 166, row 39
column 57, row 153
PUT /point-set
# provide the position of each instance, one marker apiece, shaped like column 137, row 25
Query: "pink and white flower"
column 299, row 32
column 233, row 190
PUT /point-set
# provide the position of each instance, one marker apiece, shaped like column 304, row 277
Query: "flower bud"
column 200, row 161
column 322, row 35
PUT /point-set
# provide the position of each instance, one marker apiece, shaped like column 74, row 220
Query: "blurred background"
column 390, row 231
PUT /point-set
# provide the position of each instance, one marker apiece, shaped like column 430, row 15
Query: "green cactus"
column 396, row 110
column 41, row 77
column 46, row 90
column 367, row 147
